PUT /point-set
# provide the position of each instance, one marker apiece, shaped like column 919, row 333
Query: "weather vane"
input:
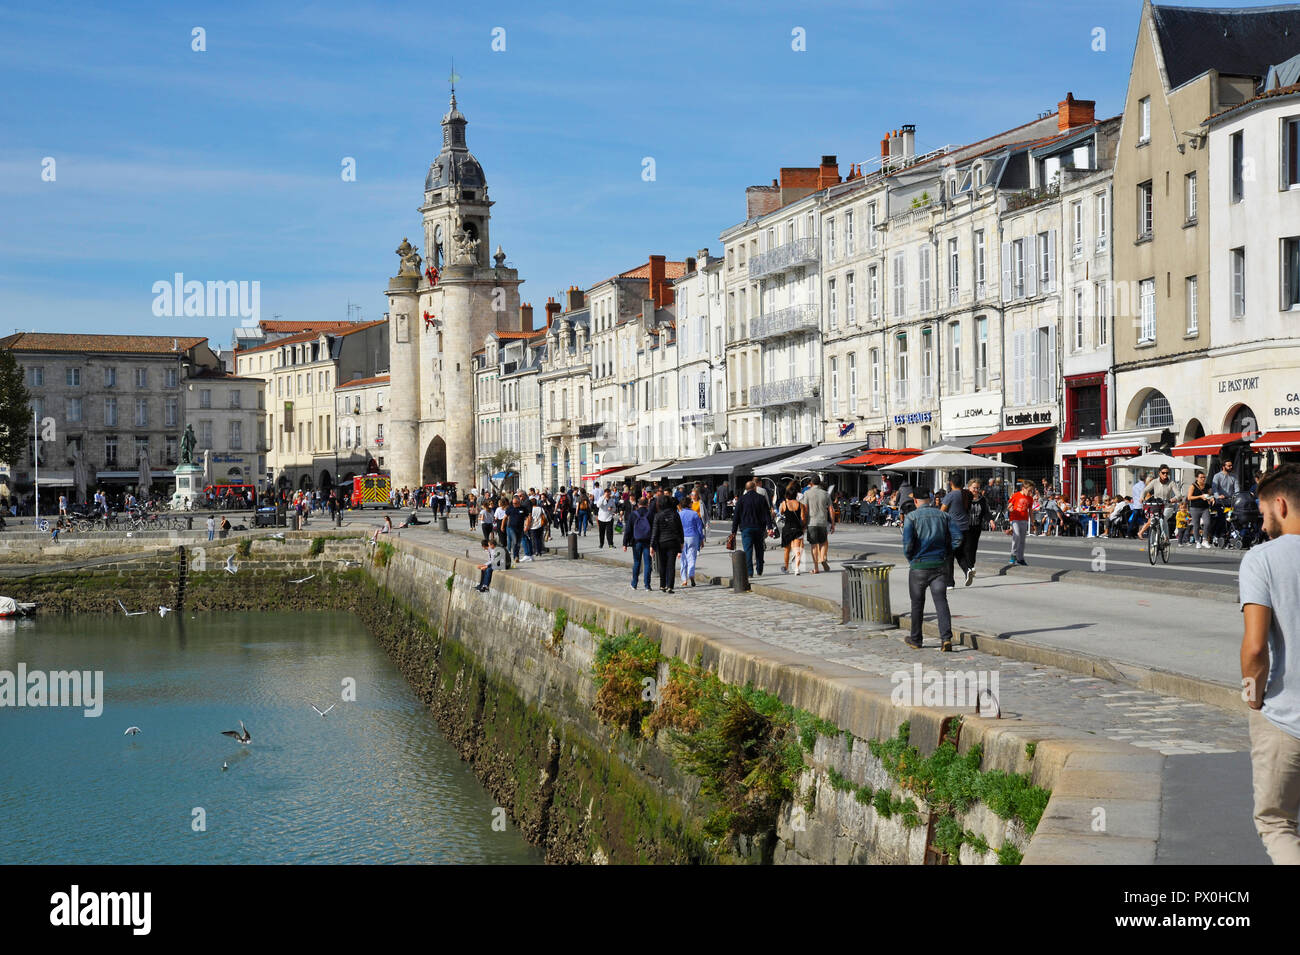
column 454, row 76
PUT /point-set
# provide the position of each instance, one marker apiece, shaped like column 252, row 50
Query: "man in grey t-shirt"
column 954, row 503
column 820, row 522
column 1270, row 659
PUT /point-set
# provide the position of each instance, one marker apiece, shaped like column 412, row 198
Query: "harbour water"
column 373, row 781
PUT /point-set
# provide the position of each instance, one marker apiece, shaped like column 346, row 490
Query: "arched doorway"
column 435, row 462
column 326, row 482
column 1248, row 462
column 1193, row 430
column 1242, row 419
column 304, row 482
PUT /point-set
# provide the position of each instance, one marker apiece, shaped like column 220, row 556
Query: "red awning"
column 1006, row 442
column 878, row 456
column 602, row 472
column 1208, row 445
column 1277, row 441
column 1124, row 451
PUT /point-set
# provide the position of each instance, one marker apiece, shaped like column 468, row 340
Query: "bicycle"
column 1158, row 536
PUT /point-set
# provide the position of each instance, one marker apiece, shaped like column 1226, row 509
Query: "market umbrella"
column 945, row 457
column 80, row 473
column 145, row 479
column 1155, row 460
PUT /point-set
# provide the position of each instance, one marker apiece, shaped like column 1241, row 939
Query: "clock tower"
column 439, row 320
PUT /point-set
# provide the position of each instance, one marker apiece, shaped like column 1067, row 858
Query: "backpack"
column 641, row 528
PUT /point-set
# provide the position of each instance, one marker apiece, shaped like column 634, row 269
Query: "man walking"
column 637, row 532
column 605, row 518
column 957, row 504
column 692, row 539
column 929, row 538
column 752, row 517
column 821, row 523
column 1270, row 664
column 1018, row 513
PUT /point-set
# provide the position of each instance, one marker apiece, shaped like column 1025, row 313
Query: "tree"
column 504, row 459
column 15, row 410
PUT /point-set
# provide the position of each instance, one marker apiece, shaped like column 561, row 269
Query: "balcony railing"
column 793, row 320
column 785, row 392
column 560, row 426
column 783, row 257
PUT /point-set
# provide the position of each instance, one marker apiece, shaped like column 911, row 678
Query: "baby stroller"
column 1245, row 525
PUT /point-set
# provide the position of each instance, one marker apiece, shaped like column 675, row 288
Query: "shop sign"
column 1291, row 408
column 916, row 417
column 1021, row 418
column 1109, row 452
column 1231, row 385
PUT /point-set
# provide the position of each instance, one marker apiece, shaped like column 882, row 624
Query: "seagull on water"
column 130, row 613
column 240, row 735
column 164, row 611
column 231, row 566
column 302, row 580
column 131, row 731
column 224, row 767
column 319, row 710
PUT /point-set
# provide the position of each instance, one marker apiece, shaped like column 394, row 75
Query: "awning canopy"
column 501, row 475
column 1210, row 444
column 1277, row 441
column 945, row 457
column 643, row 470
column 596, row 475
column 959, row 441
column 814, row 459
column 726, row 463
column 879, row 456
column 1099, row 448
column 1007, row 442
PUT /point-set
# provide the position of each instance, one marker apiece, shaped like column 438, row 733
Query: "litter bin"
column 865, row 599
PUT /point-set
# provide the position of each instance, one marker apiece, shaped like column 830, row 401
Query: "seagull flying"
column 130, row 613
column 345, row 563
column 231, row 566
column 164, row 611
column 131, row 731
column 240, row 735
column 302, row 580
column 324, row 711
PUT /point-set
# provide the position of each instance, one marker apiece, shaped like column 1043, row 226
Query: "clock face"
column 437, row 234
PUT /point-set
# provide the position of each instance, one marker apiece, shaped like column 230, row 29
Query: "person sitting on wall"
column 496, row 560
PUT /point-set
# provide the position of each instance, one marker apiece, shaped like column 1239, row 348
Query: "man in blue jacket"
column 929, row 536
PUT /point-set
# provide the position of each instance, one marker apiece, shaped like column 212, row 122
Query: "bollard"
column 739, row 572
column 338, row 517
column 573, row 545
column 189, row 522
column 442, row 524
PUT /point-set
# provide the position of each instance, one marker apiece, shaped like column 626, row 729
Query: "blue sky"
column 225, row 164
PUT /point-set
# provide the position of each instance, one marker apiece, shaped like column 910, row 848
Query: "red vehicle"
column 370, row 490
column 231, row 495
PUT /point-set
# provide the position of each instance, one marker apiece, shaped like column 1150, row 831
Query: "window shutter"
column 1018, row 368
column 1031, row 266
column 1051, row 261
column 1006, row 271
column 1049, row 380
column 1033, row 366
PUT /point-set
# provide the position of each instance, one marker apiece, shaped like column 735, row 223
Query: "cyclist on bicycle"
column 1159, row 496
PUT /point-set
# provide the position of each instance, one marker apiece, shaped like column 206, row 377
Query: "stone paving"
column 1168, row 725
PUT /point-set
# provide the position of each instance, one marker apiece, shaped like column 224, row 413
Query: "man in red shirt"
column 1018, row 513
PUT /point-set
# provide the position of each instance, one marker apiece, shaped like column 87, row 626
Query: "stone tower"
column 449, row 314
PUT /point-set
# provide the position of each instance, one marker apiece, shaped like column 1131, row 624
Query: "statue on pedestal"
column 410, row 257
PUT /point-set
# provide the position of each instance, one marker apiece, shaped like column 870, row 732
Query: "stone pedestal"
column 189, row 485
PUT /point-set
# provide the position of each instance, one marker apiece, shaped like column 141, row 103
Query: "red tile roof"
column 1267, row 94
column 119, row 344
column 293, row 327
column 672, row 270
column 513, row 335
column 359, row 382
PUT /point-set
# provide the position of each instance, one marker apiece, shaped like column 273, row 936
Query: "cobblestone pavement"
column 1169, row 725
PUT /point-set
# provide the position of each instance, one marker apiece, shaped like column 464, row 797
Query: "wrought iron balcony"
column 783, row 257
column 790, row 391
column 792, row 320
column 555, row 427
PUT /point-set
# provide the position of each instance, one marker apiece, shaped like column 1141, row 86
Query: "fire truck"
column 370, row 490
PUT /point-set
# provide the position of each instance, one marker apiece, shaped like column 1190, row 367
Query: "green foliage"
column 838, row 781
column 883, row 803
column 317, row 547
column 561, row 624
column 1030, row 749
column 15, row 410
column 244, row 547
column 450, row 582
column 1009, row 854
column 622, row 665
column 384, row 553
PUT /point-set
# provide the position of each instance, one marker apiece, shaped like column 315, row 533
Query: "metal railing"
column 794, row 319
column 783, row 257
column 784, row 392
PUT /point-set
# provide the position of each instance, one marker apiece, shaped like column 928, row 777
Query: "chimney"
column 552, row 309
column 1072, row 113
column 525, row 317
column 575, row 298
column 828, row 174
column 760, row 200
column 884, row 147
column 657, row 280
column 909, row 141
column 690, row 265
